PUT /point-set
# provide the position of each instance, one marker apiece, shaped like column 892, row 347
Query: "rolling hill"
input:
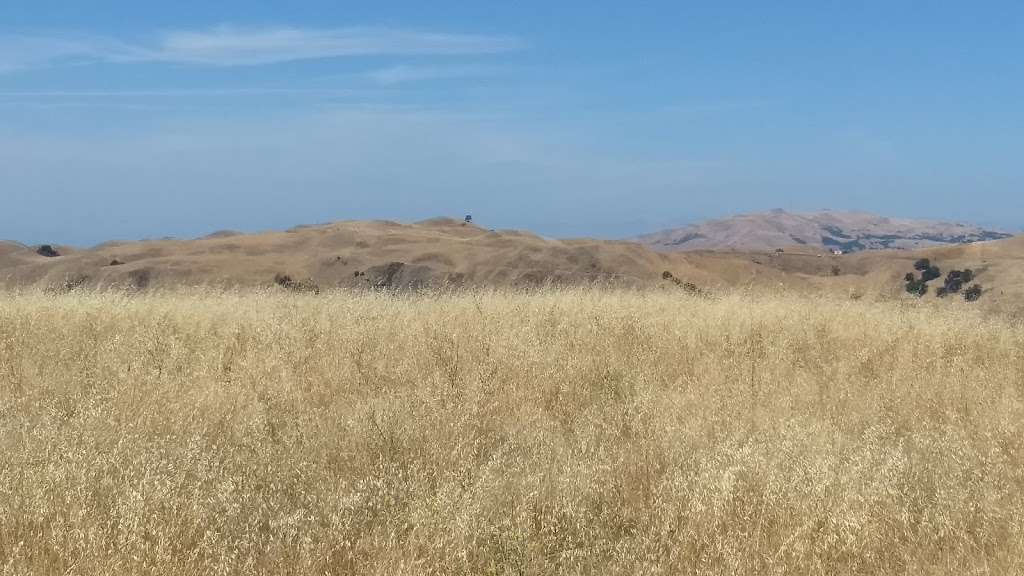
column 449, row 253
column 384, row 254
column 342, row 254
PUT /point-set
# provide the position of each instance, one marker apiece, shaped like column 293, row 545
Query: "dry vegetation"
column 557, row 432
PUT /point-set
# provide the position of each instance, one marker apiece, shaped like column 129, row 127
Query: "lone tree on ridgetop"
column 47, row 251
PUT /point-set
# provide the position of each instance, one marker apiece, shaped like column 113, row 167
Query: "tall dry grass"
column 560, row 432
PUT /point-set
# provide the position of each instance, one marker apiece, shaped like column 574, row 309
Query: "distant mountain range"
column 845, row 231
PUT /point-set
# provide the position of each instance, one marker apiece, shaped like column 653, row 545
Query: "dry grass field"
column 494, row 432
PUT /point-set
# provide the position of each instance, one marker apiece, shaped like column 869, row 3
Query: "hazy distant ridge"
column 847, row 231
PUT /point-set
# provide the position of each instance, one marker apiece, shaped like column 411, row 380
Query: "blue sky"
column 140, row 119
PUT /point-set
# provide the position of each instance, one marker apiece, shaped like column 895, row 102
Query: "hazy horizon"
column 128, row 121
column 483, row 223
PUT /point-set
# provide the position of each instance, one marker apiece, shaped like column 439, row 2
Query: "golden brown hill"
column 445, row 252
column 342, row 254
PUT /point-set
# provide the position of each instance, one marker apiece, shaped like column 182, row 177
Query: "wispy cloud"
column 15, row 94
column 404, row 73
column 21, row 51
column 230, row 46
column 172, row 99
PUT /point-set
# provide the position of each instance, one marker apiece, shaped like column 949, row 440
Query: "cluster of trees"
column 954, row 282
column 914, row 285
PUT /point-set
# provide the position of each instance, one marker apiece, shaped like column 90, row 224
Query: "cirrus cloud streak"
column 231, row 46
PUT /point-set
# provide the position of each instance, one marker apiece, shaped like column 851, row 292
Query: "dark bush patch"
column 115, row 262
column 285, row 281
column 909, row 277
column 973, row 293
column 930, row 273
column 689, row 287
column 693, row 289
column 917, row 287
column 836, row 271
column 922, row 264
column 967, row 276
column 47, row 251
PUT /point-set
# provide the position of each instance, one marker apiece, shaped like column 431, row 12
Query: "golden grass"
column 560, row 432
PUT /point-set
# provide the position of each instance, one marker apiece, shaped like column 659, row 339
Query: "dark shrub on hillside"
column 692, row 289
column 285, row 281
column 953, row 284
column 967, row 276
column 941, row 291
column 909, row 277
column 48, row 251
column 917, row 287
column 836, row 271
column 115, row 262
column 973, row 293
column 922, row 264
column 689, row 287
column 930, row 273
